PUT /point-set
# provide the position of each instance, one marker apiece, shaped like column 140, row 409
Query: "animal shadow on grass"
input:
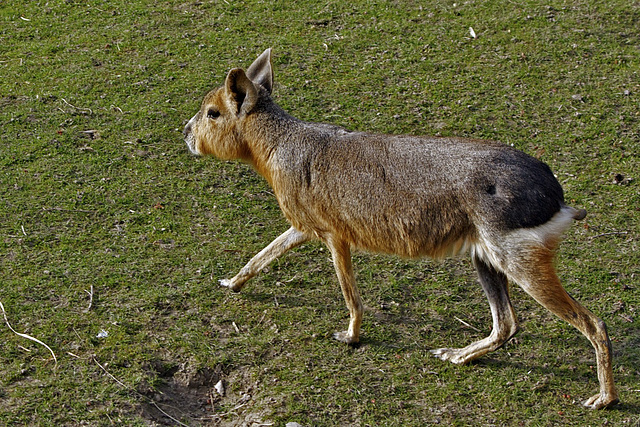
column 285, row 298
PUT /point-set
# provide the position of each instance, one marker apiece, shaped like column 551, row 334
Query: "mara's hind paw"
column 451, row 354
column 600, row 401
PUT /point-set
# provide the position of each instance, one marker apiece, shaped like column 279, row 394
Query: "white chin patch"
column 191, row 143
column 189, row 138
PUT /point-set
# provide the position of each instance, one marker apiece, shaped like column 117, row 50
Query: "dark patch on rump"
column 525, row 193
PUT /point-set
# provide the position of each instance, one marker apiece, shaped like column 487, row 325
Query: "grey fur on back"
column 368, row 179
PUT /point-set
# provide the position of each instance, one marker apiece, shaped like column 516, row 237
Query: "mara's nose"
column 187, row 129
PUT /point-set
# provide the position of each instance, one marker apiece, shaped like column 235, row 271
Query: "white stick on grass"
column 29, row 337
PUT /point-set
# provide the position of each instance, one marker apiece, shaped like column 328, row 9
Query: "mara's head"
column 215, row 129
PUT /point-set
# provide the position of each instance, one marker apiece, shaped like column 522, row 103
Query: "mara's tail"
column 579, row 214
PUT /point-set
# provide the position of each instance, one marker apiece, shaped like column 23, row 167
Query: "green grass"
column 99, row 192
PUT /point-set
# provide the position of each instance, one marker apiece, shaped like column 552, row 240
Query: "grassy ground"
column 107, row 223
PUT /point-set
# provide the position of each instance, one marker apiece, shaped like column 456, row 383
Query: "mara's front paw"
column 228, row 284
column 601, row 401
column 345, row 337
column 451, row 354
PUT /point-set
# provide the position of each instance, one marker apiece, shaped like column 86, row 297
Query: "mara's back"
column 386, row 193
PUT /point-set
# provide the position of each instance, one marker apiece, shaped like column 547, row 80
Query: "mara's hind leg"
column 505, row 325
column 536, row 274
column 284, row 242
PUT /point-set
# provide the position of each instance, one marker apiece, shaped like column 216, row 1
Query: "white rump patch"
column 495, row 250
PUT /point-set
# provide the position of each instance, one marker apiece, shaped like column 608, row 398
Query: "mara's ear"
column 241, row 93
column 260, row 72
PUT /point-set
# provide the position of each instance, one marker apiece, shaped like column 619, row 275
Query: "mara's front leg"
column 341, row 254
column 284, row 242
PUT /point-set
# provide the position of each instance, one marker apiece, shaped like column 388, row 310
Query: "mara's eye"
column 213, row 114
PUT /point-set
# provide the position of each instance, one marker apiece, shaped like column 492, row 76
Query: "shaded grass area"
column 99, row 193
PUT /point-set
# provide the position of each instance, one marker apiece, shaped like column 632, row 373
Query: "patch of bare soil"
column 199, row 396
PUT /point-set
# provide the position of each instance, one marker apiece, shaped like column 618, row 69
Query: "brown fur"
column 405, row 195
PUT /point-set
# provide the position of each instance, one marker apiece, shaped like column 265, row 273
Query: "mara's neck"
column 263, row 132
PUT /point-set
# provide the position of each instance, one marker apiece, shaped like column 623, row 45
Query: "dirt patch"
column 200, row 396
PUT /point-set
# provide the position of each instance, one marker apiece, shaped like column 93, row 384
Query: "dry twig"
column 29, row 337
column 77, row 108
column 466, row 324
column 612, row 233
column 86, row 310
